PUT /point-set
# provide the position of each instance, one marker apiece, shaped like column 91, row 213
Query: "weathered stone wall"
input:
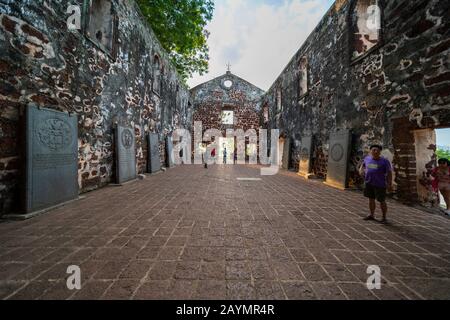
column 210, row 98
column 43, row 62
column 395, row 84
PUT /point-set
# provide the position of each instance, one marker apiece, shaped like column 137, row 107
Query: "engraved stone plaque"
column 169, row 152
column 286, row 154
column 125, row 154
column 52, row 158
column 305, row 157
column 154, row 160
column 339, row 152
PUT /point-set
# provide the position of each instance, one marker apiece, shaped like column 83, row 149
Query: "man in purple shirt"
column 378, row 180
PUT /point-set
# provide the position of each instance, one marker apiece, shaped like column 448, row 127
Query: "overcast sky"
column 443, row 137
column 258, row 37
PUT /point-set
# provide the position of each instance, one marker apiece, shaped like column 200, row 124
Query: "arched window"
column 266, row 113
column 157, row 75
column 279, row 104
column 303, row 76
column 228, row 117
column 102, row 24
column 365, row 26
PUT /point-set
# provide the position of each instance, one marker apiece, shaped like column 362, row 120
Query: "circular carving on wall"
column 337, row 152
column 127, row 138
column 228, row 84
column 55, row 134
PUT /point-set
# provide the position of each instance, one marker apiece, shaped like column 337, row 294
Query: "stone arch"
column 365, row 26
column 156, row 74
column 302, row 76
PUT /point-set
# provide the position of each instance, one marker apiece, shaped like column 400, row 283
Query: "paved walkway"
column 192, row 233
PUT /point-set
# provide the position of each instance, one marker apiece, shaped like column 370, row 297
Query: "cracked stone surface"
column 192, row 233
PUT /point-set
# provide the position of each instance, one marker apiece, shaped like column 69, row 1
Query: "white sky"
column 258, row 37
column 443, row 137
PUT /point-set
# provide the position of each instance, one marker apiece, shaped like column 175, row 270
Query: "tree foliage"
column 180, row 26
column 443, row 154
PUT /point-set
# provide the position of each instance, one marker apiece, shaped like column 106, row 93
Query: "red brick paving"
column 192, row 233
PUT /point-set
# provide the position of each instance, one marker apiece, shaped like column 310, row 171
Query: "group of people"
column 212, row 155
column 377, row 171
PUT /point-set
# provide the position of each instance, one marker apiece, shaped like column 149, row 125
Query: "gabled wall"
column 210, row 98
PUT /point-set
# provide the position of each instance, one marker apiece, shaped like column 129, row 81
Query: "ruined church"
column 88, row 107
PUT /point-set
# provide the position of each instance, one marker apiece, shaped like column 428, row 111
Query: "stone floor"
column 192, row 233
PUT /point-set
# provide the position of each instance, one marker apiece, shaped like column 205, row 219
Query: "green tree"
column 443, row 154
column 180, row 26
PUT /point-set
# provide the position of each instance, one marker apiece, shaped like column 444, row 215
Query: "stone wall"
column 112, row 70
column 380, row 84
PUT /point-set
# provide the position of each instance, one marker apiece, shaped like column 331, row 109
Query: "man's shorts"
column 373, row 192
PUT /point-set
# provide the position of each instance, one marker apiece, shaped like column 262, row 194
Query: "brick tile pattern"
column 195, row 233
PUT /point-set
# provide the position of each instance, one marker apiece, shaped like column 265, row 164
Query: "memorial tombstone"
column 286, row 154
column 51, row 158
column 339, row 152
column 305, row 157
column 125, row 154
column 169, row 152
column 154, row 159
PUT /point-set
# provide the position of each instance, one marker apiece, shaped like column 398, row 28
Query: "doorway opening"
column 281, row 151
column 416, row 157
column 442, row 152
column 226, row 147
column 430, row 146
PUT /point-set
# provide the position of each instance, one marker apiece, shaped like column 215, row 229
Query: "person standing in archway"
column 441, row 181
column 225, row 154
column 212, row 156
column 378, row 181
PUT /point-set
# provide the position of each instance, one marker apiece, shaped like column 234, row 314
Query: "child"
column 441, row 181
column 225, row 154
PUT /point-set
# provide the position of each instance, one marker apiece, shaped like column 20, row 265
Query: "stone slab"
column 154, row 159
column 338, row 156
column 305, row 165
column 169, row 152
column 52, row 158
column 125, row 154
column 286, row 154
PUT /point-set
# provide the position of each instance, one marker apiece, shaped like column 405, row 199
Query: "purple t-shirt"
column 376, row 171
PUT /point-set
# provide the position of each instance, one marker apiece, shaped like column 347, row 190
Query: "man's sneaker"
column 369, row 218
